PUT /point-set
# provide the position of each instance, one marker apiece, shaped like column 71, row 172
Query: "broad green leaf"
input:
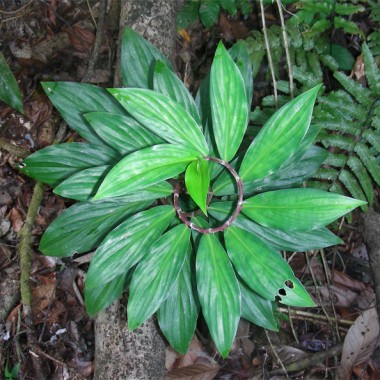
column 257, row 309
column 122, row 133
column 219, row 293
column 137, row 59
column 197, row 180
column 73, row 100
column 229, row 6
column 229, row 107
column 156, row 274
column 103, row 295
column 83, row 185
column 263, row 269
column 84, row 225
column 188, row 14
column 178, row 314
column 343, row 57
column 209, row 12
column 299, row 241
column 9, row 91
column 162, row 116
column 144, row 168
column 298, row 209
column 55, row 163
column 239, row 53
column 279, row 138
column 166, row 82
column 127, row 244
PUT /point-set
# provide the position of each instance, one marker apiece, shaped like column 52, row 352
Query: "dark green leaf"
column 9, row 91
column 372, row 70
column 58, row 162
column 122, row 133
column 348, row 26
column 298, row 209
column 82, row 185
column 299, row 241
column 73, row 100
column 144, row 168
column 263, row 269
column 177, row 315
column 127, row 244
column 209, row 12
column 229, row 106
column 280, row 137
column 162, row 116
column 229, row 6
column 98, row 298
column 156, row 274
column 219, row 293
column 188, row 14
column 84, row 225
column 257, row 309
column 137, row 59
column 197, row 180
column 343, row 57
column 166, row 82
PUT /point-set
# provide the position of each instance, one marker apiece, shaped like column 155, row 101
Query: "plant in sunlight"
column 180, row 212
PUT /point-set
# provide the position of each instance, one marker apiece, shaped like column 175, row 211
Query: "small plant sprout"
column 183, row 208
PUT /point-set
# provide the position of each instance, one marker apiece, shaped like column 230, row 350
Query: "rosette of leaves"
column 179, row 211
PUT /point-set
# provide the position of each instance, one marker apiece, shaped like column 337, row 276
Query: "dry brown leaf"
column 360, row 342
column 194, row 372
column 343, row 279
column 342, row 297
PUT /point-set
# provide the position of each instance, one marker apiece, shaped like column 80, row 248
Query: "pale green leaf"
column 197, row 180
column 219, row 293
column 280, row 137
column 178, row 314
column 144, row 168
column 229, row 107
column 298, row 209
column 156, row 275
column 73, row 100
column 121, row 132
column 137, row 59
column 55, row 163
column 166, row 82
column 84, row 225
column 162, row 116
column 263, row 269
column 127, row 244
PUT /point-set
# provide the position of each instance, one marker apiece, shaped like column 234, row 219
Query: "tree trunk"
column 120, row 353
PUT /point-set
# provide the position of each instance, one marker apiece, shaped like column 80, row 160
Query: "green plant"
column 208, row 11
column 152, row 158
column 13, row 373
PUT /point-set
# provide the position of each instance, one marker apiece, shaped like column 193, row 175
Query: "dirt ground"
column 53, row 40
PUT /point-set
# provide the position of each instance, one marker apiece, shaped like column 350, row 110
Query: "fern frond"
column 361, row 173
column 351, row 184
column 369, row 161
column 371, row 70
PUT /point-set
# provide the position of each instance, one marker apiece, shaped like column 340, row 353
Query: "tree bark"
column 120, row 353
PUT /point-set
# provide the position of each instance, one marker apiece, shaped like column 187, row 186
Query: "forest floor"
column 53, row 40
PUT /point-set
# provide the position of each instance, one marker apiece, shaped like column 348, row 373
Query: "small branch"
column 97, row 43
column 283, row 369
column 13, row 149
column 269, row 55
column 308, row 361
column 286, row 47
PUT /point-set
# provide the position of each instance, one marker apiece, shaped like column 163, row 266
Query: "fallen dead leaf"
column 360, row 342
column 194, row 372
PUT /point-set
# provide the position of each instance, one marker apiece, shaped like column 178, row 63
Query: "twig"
column 310, row 360
column 269, row 55
column 277, row 357
column 97, row 43
column 286, row 47
column 17, row 10
column 13, row 149
column 299, row 314
column 25, row 252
